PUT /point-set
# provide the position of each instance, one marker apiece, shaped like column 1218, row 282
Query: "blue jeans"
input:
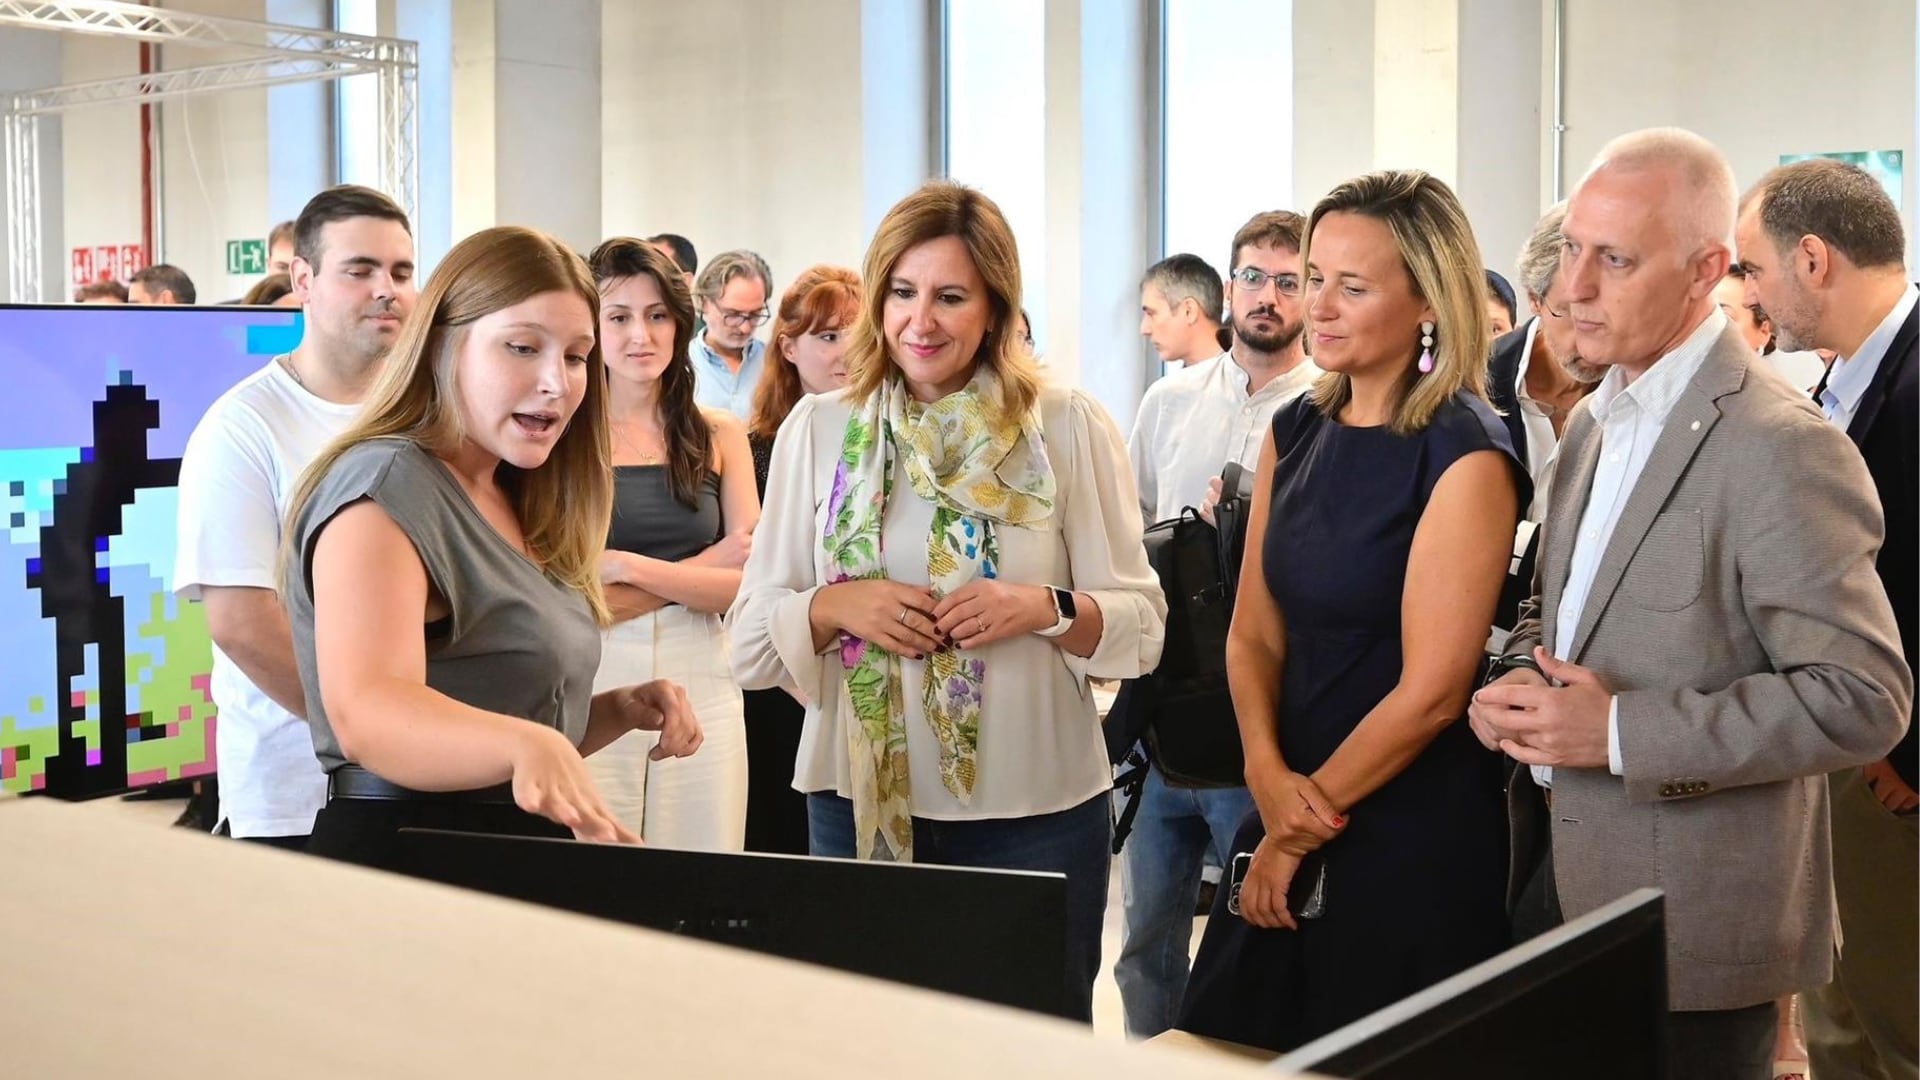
column 1173, row 831
column 1074, row 842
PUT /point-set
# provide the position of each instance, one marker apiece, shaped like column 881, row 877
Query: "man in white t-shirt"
column 1192, row 422
column 353, row 267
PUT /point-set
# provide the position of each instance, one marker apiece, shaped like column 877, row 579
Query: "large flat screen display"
column 103, row 672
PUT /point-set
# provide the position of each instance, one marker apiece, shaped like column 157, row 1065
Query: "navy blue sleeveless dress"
column 1415, row 886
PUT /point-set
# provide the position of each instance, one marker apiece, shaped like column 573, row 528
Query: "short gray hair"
column 726, row 266
column 1540, row 258
column 1702, row 209
column 1182, row 277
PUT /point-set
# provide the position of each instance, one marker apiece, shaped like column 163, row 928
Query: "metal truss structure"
column 273, row 55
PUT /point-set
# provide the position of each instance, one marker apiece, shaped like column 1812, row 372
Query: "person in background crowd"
column 161, row 284
column 1730, row 296
column 1824, row 251
column 1503, row 314
column 727, row 358
column 1181, row 299
column 1535, row 376
column 808, row 344
column 1379, row 535
column 684, row 509
column 1191, row 423
column 355, row 261
column 101, row 292
column 281, row 248
column 270, row 291
column 981, row 559
column 441, row 570
column 1708, row 638
column 681, row 251
column 1026, row 340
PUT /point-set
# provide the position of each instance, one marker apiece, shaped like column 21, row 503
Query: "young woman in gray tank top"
column 684, row 509
column 441, row 576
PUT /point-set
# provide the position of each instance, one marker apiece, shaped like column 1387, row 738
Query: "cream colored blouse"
column 1041, row 749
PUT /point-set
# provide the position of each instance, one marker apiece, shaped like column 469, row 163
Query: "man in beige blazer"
column 1707, row 613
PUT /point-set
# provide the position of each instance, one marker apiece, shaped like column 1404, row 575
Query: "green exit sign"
column 246, row 256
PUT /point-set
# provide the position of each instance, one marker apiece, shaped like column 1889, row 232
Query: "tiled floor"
column 1107, row 1016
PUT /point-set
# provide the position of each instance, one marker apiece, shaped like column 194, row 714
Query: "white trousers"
column 699, row 802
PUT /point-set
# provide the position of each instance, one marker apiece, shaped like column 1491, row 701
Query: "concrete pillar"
column 526, row 117
column 1451, row 87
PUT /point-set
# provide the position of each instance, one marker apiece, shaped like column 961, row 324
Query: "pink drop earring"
column 1426, row 347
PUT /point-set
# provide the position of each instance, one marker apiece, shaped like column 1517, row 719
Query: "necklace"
column 286, row 361
column 619, row 432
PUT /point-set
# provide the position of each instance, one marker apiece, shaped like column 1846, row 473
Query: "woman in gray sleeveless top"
column 684, row 509
column 440, row 572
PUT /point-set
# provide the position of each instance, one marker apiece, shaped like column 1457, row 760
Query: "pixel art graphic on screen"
column 104, row 675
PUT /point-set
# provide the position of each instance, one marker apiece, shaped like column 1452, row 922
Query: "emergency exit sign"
column 246, row 256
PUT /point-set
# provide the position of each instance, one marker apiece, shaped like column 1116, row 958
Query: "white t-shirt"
column 240, row 468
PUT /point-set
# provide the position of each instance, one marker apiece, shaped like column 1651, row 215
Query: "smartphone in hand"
column 1306, row 896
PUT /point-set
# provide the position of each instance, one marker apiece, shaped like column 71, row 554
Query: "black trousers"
column 366, row 831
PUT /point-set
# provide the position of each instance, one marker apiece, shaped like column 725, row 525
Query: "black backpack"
column 1183, row 710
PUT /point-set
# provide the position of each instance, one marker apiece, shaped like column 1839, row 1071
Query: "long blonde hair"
column 943, row 208
column 566, row 504
column 1438, row 249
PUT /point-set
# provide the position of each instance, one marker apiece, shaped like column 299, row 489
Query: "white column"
column 1503, row 96
column 29, row 60
column 526, row 117
column 1332, row 96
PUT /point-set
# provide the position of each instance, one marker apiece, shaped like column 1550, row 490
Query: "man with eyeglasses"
column 1192, row 422
column 727, row 358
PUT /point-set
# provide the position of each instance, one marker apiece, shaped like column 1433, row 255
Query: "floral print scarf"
column 980, row 470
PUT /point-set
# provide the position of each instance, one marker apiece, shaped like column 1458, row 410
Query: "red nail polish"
column 1339, row 822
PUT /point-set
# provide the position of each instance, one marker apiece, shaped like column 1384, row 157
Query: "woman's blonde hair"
column 566, row 504
column 1438, row 249
column 943, row 208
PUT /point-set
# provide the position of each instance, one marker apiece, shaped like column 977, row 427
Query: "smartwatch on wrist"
column 1063, row 611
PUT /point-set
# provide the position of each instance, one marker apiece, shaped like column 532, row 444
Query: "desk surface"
column 130, row 950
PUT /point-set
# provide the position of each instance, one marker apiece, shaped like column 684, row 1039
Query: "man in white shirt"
column 353, row 264
column 1824, row 253
column 1708, row 615
column 1192, row 422
column 1180, row 305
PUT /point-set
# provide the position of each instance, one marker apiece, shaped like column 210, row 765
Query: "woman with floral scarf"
column 948, row 551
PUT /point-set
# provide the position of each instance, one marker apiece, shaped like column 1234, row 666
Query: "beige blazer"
column 1737, row 616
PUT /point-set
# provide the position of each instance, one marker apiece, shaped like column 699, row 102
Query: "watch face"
column 1064, row 601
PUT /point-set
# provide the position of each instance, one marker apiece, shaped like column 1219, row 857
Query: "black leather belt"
column 354, row 782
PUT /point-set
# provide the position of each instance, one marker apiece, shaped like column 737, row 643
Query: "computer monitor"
column 104, row 673
column 1586, row 1000
column 994, row 935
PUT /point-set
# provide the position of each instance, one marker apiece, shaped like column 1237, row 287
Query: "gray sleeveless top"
column 517, row 642
column 648, row 520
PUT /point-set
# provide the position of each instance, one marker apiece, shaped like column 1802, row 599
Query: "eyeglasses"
column 1253, row 279
column 1548, row 308
column 742, row 319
